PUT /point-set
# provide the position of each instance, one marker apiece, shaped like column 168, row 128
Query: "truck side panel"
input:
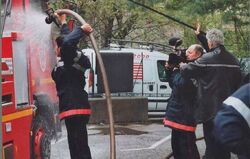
column 16, row 123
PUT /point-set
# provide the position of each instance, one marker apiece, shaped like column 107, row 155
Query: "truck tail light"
column 16, row 36
column 7, row 67
column 4, row 67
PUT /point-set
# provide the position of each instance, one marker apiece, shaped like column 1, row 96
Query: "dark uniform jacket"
column 232, row 123
column 68, row 75
column 218, row 75
column 180, row 108
column 69, row 50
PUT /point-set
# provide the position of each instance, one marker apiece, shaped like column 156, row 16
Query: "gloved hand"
column 61, row 18
column 87, row 28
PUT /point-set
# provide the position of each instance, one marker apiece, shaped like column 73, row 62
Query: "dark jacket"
column 180, row 108
column 232, row 123
column 69, row 44
column 203, row 40
column 218, row 75
column 68, row 75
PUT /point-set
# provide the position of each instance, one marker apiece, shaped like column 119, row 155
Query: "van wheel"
column 41, row 147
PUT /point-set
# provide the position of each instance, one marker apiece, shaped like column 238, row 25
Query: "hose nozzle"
column 51, row 17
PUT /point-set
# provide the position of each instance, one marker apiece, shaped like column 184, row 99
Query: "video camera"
column 179, row 55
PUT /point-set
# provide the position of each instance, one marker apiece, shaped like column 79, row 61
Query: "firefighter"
column 232, row 124
column 218, row 75
column 68, row 75
column 180, row 109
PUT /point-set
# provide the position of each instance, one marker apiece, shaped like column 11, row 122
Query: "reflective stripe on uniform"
column 76, row 59
column 74, row 112
column 178, row 126
column 59, row 64
column 240, row 106
column 215, row 65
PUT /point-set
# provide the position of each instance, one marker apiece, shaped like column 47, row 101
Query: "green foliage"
column 231, row 16
column 121, row 19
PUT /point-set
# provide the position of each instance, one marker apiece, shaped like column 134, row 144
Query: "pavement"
column 136, row 140
column 149, row 140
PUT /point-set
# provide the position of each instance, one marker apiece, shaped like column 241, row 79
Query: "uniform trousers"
column 213, row 149
column 78, row 137
column 184, row 145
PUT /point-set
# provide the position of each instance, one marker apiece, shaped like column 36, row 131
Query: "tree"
column 229, row 15
column 113, row 19
column 121, row 19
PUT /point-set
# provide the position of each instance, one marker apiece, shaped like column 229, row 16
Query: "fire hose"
column 104, row 77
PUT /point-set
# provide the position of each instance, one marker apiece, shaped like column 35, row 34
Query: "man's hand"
column 182, row 64
column 198, row 29
column 61, row 18
column 166, row 65
column 169, row 66
column 175, row 68
column 87, row 28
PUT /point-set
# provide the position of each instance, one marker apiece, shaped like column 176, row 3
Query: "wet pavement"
column 133, row 141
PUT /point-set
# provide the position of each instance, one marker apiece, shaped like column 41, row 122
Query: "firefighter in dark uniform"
column 179, row 112
column 232, row 125
column 218, row 75
column 68, row 75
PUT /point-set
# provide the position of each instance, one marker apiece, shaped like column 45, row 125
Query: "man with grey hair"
column 218, row 75
column 215, row 38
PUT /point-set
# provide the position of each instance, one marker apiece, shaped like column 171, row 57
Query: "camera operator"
column 179, row 112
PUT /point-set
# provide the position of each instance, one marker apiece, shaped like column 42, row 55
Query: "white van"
column 148, row 75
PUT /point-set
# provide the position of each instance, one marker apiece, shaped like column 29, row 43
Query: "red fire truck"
column 29, row 101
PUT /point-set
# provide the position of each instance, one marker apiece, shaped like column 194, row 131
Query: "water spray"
column 51, row 18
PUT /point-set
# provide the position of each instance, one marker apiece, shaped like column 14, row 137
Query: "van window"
column 161, row 70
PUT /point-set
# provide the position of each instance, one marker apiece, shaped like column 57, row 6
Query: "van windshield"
column 161, row 70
